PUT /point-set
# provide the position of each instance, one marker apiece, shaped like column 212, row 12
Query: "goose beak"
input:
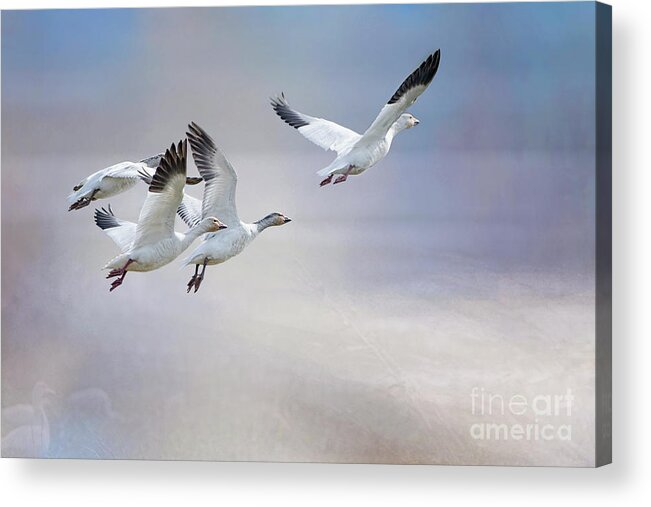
column 223, row 226
column 287, row 219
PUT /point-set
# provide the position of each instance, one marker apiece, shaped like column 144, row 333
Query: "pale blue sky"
column 515, row 91
column 514, row 76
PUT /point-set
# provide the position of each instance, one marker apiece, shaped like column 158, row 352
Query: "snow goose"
column 152, row 242
column 355, row 152
column 31, row 437
column 218, row 200
column 114, row 180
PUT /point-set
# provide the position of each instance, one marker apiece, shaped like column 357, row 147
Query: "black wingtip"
column 195, row 133
column 422, row 76
column 436, row 59
column 203, row 148
column 172, row 163
column 286, row 113
column 105, row 218
column 194, row 127
column 278, row 100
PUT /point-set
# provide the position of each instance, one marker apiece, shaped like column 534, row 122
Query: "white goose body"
column 360, row 158
column 219, row 248
column 110, row 181
column 358, row 152
column 218, row 200
column 153, row 242
column 151, row 257
column 115, row 180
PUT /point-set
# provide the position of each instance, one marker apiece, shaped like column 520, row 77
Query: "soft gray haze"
column 357, row 332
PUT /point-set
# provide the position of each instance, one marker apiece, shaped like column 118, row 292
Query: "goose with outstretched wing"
column 114, row 180
column 218, row 200
column 357, row 152
column 153, row 242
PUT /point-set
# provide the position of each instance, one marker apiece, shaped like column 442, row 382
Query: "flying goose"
column 114, row 180
column 218, row 200
column 355, row 152
column 152, row 242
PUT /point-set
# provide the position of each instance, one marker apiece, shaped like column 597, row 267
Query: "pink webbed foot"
column 121, row 273
column 197, row 282
column 115, row 272
column 326, row 181
column 81, row 203
column 197, row 278
column 116, row 283
column 341, row 179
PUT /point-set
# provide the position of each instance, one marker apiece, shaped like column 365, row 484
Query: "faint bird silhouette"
column 31, row 435
column 91, row 403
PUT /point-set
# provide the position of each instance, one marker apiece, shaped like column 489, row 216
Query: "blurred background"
column 357, row 332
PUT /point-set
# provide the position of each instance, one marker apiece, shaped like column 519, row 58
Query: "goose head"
column 212, row 224
column 277, row 219
column 406, row 121
column 272, row 220
column 153, row 161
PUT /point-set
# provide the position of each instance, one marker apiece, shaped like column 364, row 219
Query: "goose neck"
column 193, row 234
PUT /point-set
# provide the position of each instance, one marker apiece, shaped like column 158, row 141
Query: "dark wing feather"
column 172, row 164
column 324, row 133
column 156, row 221
column 218, row 174
column 105, row 219
column 406, row 94
column 422, row 76
column 287, row 114
column 121, row 232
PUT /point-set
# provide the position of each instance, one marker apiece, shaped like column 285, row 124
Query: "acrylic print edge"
column 603, row 235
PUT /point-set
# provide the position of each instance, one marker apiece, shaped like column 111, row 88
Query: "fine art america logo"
column 542, row 417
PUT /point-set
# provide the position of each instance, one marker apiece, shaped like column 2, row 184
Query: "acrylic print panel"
column 438, row 307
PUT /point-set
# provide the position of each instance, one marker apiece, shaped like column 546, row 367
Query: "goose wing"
column 121, row 232
column 156, row 221
column 118, row 176
column 218, row 174
column 324, row 133
column 406, row 94
column 190, row 210
column 125, row 170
